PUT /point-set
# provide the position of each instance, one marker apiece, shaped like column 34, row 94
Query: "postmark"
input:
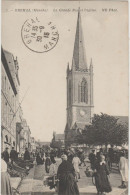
column 39, row 36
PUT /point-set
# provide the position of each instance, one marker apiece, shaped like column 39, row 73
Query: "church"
column 79, row 89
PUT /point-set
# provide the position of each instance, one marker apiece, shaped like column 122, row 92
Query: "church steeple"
column 79, row 58
column 79, row 89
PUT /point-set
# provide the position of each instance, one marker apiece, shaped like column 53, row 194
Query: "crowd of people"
column 13, row 155
column 68, row 172
column 101, row 162
column 66, row 175
column 8, row 158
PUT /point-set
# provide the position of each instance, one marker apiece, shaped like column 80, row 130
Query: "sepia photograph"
column 64, row 97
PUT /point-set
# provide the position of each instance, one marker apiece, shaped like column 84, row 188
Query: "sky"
column 44, row 74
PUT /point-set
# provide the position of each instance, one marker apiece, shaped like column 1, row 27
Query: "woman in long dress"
column 39, row 159
column 5, row 180
column 76, row 162
column 101, row 177
column 66, row 176
column 123, row 167
column 47, row 163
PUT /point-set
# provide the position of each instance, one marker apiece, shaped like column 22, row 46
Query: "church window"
column 84, row 91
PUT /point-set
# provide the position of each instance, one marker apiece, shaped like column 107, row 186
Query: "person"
column 76, row 162
column 101, row 176
column 110, row 157
column 26, row 155
column 13, row 155
column 79, row 153
column 39, row 159
column 47, row 163
column 53, row 168
column 99, row 155
column 5, row 155
column 66, row 176
column 52, row 173
column 70, row 156
column 123, row 167
column 52, row 154
column 92, row 158
column 82, row 158
column 5, row 180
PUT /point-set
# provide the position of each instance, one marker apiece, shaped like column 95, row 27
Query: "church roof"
column 79, row 58
column 122, row 119
column 59, row 136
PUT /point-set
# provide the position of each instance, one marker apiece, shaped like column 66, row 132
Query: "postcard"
column 64, row 97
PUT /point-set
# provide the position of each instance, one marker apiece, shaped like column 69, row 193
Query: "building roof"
column 122, row 119
column 4, row 58
column 79, row 58
column 59, row 136
column 13, row 65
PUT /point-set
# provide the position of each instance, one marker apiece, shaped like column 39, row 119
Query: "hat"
column 64, row 157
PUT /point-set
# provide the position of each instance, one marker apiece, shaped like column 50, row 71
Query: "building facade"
column 33, row 144
column 58, row 137
column 9, row 99
column 79, row 88
column 15, row 131
column 27, row 135
column 19, row 130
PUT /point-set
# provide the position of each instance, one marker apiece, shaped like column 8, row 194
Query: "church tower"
column 79, row 85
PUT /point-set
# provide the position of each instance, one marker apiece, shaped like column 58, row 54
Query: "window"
column 83, row 91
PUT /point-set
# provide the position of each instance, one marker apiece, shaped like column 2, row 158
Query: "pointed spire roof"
column 79, row 57
column 91, row 65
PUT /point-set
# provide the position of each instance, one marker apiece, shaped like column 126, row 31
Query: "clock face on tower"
column 82, row 112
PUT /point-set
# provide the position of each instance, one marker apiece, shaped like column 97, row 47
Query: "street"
column 33, row 183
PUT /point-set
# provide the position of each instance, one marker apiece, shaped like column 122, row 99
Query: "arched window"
column 84, row 91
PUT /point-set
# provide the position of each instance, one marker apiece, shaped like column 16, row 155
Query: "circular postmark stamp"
column 39, row 36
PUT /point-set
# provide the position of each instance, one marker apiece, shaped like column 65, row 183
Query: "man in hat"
column 26, row 155
column 5, row 155
column 13, row 155
column 111, row 156
column 92, row 158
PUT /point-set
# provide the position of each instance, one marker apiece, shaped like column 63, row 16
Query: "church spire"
column 79, row 57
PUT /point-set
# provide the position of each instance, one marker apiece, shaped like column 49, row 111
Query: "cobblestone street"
column 33, row 183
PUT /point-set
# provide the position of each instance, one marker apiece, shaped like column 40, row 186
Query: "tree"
column 79, row 139
column 105, row 130
column 121, row 135
column 104, row 127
